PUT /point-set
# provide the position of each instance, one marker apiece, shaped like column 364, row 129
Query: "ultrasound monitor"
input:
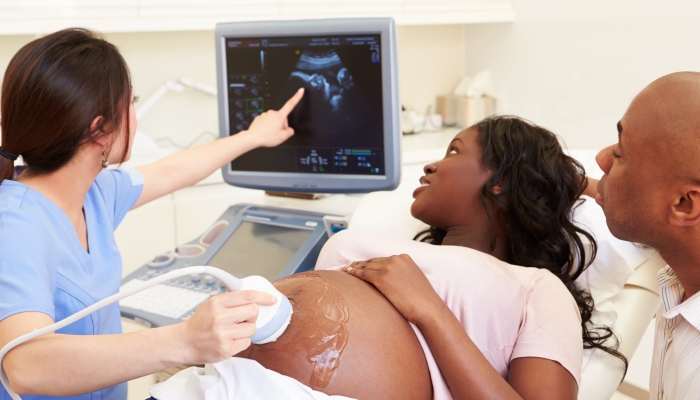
column 347, row 134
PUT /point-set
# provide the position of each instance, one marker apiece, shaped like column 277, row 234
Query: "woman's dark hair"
column 541, row 186
column 54, row 88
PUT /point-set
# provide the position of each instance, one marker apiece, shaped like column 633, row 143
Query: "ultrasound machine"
column 347, row 140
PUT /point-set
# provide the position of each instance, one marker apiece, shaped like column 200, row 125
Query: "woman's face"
column 449, row 194
column 117, row 150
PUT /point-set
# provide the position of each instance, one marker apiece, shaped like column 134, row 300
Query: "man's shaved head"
column 653, row 169
column 666, row 115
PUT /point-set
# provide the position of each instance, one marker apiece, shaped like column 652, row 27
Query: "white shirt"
column 675, row 369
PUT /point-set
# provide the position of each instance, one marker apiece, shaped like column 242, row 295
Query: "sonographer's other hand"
column 271, row 128
column 222, row 326
column 402, row 282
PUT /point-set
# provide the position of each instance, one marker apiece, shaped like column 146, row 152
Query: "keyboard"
column 164, row 300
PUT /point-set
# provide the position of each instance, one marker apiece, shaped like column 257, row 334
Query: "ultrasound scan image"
column 332, row 103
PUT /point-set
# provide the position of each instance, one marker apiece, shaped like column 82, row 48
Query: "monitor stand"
column 294, row 195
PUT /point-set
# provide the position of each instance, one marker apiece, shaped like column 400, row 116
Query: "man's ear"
column 685, row 210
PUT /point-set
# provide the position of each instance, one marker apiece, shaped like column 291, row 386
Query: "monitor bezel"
column 314, row 182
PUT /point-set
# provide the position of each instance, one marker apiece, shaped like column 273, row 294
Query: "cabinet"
column 43, row 16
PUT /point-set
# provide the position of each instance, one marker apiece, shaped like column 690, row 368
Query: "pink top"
column 508, row 311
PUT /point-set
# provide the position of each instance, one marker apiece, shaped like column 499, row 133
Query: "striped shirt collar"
column 671, row 299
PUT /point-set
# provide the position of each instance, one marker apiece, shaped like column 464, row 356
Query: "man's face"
column 629, row 193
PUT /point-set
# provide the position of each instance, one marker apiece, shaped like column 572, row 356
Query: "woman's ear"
column 498, row 188
column 98, row 132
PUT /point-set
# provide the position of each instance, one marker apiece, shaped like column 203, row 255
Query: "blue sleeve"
column 120, row 189
column 27, row 275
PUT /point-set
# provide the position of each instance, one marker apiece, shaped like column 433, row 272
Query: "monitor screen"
column 259, row 249
column 346, row 125
column 338, row 123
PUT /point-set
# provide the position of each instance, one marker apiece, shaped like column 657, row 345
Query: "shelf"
column 45, row 16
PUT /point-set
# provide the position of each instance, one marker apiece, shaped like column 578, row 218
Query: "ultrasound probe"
column 271, row 323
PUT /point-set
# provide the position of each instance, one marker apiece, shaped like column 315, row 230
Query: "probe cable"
column 231, row 282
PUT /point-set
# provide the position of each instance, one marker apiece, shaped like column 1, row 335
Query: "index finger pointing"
column 291, row 103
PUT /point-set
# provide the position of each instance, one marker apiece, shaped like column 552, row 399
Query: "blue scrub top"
column 44, row 268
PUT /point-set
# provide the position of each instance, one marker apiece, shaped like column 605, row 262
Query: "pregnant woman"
column 484, row 306
column 494, row 307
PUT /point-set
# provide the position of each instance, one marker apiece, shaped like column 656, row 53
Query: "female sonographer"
column 67, row 110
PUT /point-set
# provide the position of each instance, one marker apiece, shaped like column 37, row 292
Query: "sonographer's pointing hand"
column 222, row 326
column 271, row 128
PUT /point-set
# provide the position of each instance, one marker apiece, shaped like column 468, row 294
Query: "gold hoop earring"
column 105, row 164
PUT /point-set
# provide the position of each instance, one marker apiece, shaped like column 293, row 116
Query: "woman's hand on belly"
column 467, row 372
column 402, row 282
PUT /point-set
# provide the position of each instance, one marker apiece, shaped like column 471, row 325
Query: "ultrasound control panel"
column 246, row 240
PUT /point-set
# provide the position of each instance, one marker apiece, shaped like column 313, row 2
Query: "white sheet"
column 235, row 378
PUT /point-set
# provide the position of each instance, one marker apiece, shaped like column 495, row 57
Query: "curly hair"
column 541, row 186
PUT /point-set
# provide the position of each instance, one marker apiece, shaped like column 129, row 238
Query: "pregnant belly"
column 345, row 338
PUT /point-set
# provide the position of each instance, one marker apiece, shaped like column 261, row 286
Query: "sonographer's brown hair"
column 53, row 89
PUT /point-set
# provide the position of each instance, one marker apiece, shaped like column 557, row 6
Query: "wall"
column 430, row 63
column 575, row 66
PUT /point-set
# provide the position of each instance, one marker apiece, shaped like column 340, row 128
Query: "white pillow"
column 391, row 211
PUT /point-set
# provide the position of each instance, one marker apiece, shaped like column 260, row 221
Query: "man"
column 651, row 194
